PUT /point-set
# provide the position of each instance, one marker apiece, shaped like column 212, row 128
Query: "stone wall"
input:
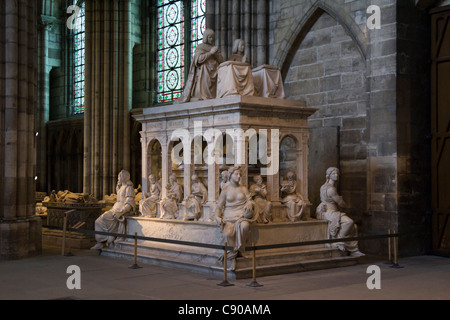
column 329, row 72
column 413, row 127
column 362, row 81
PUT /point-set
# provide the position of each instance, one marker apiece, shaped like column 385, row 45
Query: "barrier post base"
column 255, row 284
column 225, row 283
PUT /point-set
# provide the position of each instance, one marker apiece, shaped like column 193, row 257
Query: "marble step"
column 206, row 260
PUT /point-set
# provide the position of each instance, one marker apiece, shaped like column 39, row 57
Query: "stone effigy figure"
column 67, row 196
column 235, row 75
column 339, row 224
column 235, row 212
column 148, row 206
column 114, row 220
column 258, row 192
column 238, row 52
column 202, row 79
column 169, row 205
column 291, row 198
column 193, row 203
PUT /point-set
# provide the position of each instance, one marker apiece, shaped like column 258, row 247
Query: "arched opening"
column 257, row 156
column 176, row 160
column 288, row 156
column 199, row 151
column 154, row 160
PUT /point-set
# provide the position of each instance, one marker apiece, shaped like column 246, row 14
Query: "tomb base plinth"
column 206, row 260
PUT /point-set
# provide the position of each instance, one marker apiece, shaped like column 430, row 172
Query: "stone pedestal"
column 206, row 260
column 85, row 212
column 240, row 117
column 257, row 128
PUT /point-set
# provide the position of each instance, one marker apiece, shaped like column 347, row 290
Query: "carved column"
column 20, row 228
column 213, row 170
column 165, row 166
column 145, row 167
column 188, row 165
column 273, row 181
column 303, row 170
column 108, row 94
column 261, row 33
column 210, row 14
column 247, row 27
column 42, row 110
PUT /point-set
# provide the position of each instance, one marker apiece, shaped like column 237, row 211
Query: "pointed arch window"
column 180, row 26
column 79, row 32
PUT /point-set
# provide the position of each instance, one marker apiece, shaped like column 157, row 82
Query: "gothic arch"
column 291, row 42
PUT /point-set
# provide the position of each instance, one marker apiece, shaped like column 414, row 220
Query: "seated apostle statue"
column 169, row 205
column 291, row 199
column 113, row 220
column 339, row 224
column 258, row 192
column 193, row 203
column 148, row 206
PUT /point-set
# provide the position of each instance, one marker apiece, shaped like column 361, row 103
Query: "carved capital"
column 48, row 23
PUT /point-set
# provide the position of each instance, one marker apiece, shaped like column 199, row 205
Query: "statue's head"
column 151, row 178
column 208, row 36
column 332, row 171
column 123, row 176
column 258, row 179
column 194, row 177
column 234, row 174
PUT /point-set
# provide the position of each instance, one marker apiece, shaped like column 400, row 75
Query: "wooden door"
column 440, row 126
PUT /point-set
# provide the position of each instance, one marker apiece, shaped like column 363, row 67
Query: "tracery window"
column 180, row 27
column 79, row 60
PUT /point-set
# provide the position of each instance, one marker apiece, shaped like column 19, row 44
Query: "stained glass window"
column 79, row 60
column 177, row 35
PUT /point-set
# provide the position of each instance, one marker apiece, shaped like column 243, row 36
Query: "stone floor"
column 103, row 278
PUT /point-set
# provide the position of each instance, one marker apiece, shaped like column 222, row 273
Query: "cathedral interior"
column 75, row 75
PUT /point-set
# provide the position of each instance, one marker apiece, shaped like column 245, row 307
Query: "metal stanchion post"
column 389, row 249
column 135, row 265
column 395, row 264
column 63, row 246
column 69, row 249
column 225, row 282
column 254, row 283
column 76, row 226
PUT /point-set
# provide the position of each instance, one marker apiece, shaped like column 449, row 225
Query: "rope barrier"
column 225, row 247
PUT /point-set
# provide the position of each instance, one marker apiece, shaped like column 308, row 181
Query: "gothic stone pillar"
column 20, row 228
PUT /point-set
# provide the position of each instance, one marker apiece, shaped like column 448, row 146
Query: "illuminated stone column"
column 20, row 228
column 107, row 119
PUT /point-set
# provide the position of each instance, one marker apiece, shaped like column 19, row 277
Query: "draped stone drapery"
column 20, row 228
column 108, row 94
